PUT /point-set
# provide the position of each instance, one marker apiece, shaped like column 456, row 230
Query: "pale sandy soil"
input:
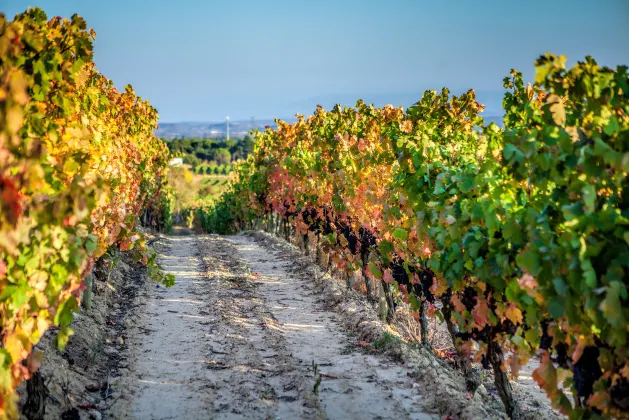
column 239, row 334
column 236, row 338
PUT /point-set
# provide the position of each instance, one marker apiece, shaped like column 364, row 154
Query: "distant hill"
column 237, row 129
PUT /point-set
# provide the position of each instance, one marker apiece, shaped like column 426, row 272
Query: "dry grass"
column 195, row 189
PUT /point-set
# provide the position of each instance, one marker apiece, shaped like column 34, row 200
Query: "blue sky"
column 202, row 60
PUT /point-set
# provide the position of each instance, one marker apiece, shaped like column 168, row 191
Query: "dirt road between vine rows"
column 239, row 337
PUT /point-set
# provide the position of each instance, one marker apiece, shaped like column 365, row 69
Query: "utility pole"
column 227, row 124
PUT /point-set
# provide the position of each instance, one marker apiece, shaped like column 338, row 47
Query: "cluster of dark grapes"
column 328, row 224
column 586, row 371
column 362, row 244
column 317, row 225
column 403, row 276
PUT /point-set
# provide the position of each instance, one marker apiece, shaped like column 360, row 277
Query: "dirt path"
column 237, row 336
column 169, row 372
column 354, row 385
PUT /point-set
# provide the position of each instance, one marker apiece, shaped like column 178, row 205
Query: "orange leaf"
column 458, row 305
column 515, row 365
column 481, row 312
column 125, row 244
column 600, row 400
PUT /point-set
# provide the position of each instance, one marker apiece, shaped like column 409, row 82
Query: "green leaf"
column 512, row 231
column 63, row 336
column 7, row 291
column 609, row 155
column 91, row 244
column 556, row 307
column 492, row 222
column 386, row 248
column 64, row 313
column 511, row 152
column 612, row 307
column 20, row 295
column 560, row 286
column 400, row 234
column 375, row 270
column 5, row 362
column 612, row 126
column 338, row 203
column 588, row 273
column 589, row 198
column 530, row 261
column 543, row 67
column 414, row 302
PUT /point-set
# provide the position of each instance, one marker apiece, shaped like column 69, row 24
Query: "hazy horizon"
column 308, row 105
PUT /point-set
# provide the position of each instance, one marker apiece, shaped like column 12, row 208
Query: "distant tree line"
column 212, row 169
column 211, row 152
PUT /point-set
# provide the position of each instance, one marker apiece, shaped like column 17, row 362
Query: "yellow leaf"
column 514, row 314
column 18, row 346
column 14, row 117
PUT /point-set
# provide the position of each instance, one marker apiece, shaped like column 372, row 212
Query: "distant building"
column 176, row 162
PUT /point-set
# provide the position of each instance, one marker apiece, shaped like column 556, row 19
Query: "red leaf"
column 10, row 195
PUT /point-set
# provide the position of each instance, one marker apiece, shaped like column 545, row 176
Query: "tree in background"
column 222, row 156
column 191, row 160
column 196, row 152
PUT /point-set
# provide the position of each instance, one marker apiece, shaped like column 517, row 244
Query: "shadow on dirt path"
column 236, row 338
column 353, row 384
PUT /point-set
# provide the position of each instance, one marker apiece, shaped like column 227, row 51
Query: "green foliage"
column 386, row 341
column 217, row 218
column 159, row 213
column 531, row 221
column 196, row 152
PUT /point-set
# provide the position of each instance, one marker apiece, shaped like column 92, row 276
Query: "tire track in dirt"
column 255, row 376
column 167, row 372
column 206, row 347
column 235, row 338
column 354, row 385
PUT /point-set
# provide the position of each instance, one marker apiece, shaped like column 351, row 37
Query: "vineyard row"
column 518, row 237
column 78, row 165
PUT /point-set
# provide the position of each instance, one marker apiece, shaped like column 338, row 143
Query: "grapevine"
column 78, row 164
column 520, row 233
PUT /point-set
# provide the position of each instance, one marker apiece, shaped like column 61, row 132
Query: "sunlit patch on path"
column 236, row 337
